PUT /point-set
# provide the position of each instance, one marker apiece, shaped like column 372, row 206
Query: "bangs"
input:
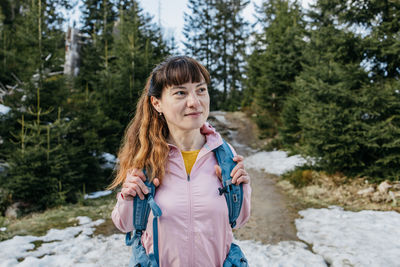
column 176, row 71
column 184, row 71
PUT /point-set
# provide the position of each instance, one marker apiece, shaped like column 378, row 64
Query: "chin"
column 196, row 125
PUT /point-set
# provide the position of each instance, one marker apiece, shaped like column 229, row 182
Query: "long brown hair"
column 144, row 145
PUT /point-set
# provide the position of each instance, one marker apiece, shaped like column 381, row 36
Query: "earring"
column 160, row 113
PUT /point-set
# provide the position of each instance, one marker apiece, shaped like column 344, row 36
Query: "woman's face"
column 185, row 107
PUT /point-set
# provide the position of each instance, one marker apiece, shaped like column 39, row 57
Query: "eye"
column 202, row 90
column 180, row 93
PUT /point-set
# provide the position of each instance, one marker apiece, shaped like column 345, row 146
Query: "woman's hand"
column 134, row 185
column 238, row 174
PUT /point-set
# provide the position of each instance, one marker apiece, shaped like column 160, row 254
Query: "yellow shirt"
column 189, row 157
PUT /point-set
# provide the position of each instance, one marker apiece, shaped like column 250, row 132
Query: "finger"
column 139, row 173
column 127, row 193
column 238, row 158
column 243, row 180
column 238, row 166
column 135, row 180
column 239, row 180
column 218, row 171
column 238, row 174
column 138, row 191
column 156, row 182
column 143, row 187
column 129, row 180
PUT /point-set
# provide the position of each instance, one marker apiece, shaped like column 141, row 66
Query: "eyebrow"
column 183, row 87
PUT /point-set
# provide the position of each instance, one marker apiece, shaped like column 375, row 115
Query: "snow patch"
column 275, row 162
column 109, row 159
column 338, row 237
column 83, row 220
column 82, row 250
column 345, row 238
column 285, row 254
column 59, row 247
column 97, row 194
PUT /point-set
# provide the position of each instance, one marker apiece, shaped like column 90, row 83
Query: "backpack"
column 141, row 210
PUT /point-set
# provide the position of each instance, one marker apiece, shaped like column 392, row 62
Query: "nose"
column 193, row 100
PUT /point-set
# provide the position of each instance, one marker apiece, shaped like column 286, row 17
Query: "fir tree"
column 215, row 35
column 231, row 31
column 200, row 41
column 138, row 48
column 275, row 61
column 341, row 113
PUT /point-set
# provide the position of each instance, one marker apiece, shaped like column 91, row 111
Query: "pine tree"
column 231, row 31
column 275, row 61
column 138, row 48
column 343, row 113
column 116, row 60
column 38, row 171
column 47, row 152
column 99, row 17
column 32, row 59
column 378, row 22
column 200, row 41
column 215, row 35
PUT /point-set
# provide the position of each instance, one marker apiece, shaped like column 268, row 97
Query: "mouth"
column 194, row 114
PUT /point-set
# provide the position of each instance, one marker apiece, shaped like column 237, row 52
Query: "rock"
column 384, row 187
column 396, row 186
column 377, row 197
column 394, row 196
column 12, row 211
column 366, row 191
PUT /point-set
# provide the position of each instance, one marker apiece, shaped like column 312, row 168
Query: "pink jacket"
column 194, row 227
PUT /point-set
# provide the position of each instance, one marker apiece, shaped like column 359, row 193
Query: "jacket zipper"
column 191, row 232
column 190, row 224
column 190, row 261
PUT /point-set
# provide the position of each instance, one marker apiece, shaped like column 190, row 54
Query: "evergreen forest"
column 321, row 82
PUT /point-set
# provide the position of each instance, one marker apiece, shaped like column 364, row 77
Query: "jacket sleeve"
column 244, row 214
column 122, row 214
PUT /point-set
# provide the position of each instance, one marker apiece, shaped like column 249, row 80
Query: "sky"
column 172, row 12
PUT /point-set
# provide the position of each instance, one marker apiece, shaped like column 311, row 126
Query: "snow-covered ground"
column 344, row 238
column 97, row 194
column 275, row 162
column 75, row 246
column 336, row 237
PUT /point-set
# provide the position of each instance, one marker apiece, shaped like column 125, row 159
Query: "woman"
column 170, row 138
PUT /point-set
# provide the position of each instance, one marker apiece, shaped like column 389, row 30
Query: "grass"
column 39, row 223
column 318, row 189
column 299, row 177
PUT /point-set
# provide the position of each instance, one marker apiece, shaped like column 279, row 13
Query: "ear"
column 156, row 103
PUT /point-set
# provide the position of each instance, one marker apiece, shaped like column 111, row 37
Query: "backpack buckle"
column 222, row 190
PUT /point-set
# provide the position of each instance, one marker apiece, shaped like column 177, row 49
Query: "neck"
column 187, row 140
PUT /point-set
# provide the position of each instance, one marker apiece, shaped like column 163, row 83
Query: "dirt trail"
column 272, row 212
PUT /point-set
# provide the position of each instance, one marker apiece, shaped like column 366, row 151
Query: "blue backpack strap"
column 141, row 211
column 233, row 193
